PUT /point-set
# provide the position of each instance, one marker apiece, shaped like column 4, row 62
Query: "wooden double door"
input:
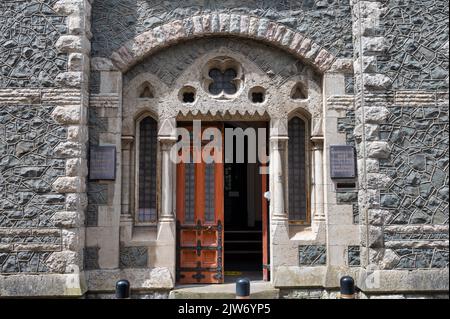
column 200, row 216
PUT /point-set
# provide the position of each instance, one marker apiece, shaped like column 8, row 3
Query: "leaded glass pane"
column 189, row 191
column 297, row 170
column 147, row 170
column 222, row 82
column 209, row 192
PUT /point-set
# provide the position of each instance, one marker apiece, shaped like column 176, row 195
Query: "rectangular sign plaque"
column 102, row 163
column 342, row 162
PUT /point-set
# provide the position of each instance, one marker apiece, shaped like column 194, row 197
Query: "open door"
column 200, row 220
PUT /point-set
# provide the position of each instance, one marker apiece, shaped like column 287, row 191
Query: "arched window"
column 147, row 145
column 298, row 171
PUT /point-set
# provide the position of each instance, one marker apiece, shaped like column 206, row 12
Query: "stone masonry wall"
column 416, row 40
column 327, row 23
column 400, row 50
column 29, row 31
column 401, row 81
column 43, row 55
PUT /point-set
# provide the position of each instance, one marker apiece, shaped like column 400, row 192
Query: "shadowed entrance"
column 243, row 211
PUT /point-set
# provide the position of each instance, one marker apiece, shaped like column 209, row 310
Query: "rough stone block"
column 76, row 201
column 198, row 25
column 373, row 45
column 63, row 262
column 68, row 114
column 374, row 114
column 69, row 149
column 235, row 23
column 377, row 149
column 65, row 219
column 324, row 60
column 73, row 44
column 68, row 7
column 224, row 22
column 296, row 41
column 76, row 167
column 376, row 81
column 77, row 62
column 69, row 185
column 70, row 79
column 378, row 181
column 304, row 46
column 245, row 24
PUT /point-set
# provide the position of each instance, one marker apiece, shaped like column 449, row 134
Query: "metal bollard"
column 243, row 288
column 347, row 288
column 123, row 289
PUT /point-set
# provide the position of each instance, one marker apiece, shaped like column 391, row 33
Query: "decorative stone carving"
column 150, row 41
column 265, row 67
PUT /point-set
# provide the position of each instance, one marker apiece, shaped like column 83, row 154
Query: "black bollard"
column 243, row 288
column 347, row 288
column 123, row 289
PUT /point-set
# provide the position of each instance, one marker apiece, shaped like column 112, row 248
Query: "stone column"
column 165, row 252
column 167, row 190
column 127, row 215
column 279, row 227
column 278, row 144
column 127, row 142
column 319, row 214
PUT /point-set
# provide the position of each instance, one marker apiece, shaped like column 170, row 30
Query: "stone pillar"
column 279, row 227
column 278, row 144
column 165, row 252
column 127, row 213
column 319, row 214
column 127, row 143
column 167, row 189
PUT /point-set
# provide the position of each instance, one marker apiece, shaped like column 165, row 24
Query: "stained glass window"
column 297, row 170
column 147, row 170
column 189, row 191
column 209, row 192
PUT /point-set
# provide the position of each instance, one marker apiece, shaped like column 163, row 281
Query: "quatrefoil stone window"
column 222, row 77
column 222, row 82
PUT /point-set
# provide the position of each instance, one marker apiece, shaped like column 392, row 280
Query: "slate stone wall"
column 42, row 141
column 312, row 255
column 28, row 168
column 416, row 35
column 328, row 23
column 402, row 110
column 29, row 31
column 400, row 84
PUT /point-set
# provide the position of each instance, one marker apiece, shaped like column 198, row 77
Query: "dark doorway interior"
column 243, row 222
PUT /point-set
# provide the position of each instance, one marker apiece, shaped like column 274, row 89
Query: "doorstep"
column 258, row 290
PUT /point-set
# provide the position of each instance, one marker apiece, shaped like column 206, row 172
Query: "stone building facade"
column 77, row 74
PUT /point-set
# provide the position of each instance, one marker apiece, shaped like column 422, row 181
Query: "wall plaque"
column 342, row 162
column 102, row 164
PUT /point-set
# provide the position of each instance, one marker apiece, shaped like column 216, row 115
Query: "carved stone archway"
column 252, row 27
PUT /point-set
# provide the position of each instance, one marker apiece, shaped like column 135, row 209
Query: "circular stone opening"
column 187, row 94
column 257, row 94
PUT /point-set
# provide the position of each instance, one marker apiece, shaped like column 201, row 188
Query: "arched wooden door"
column 200, row 218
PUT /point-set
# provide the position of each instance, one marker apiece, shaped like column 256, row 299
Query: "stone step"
column 258, row 290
